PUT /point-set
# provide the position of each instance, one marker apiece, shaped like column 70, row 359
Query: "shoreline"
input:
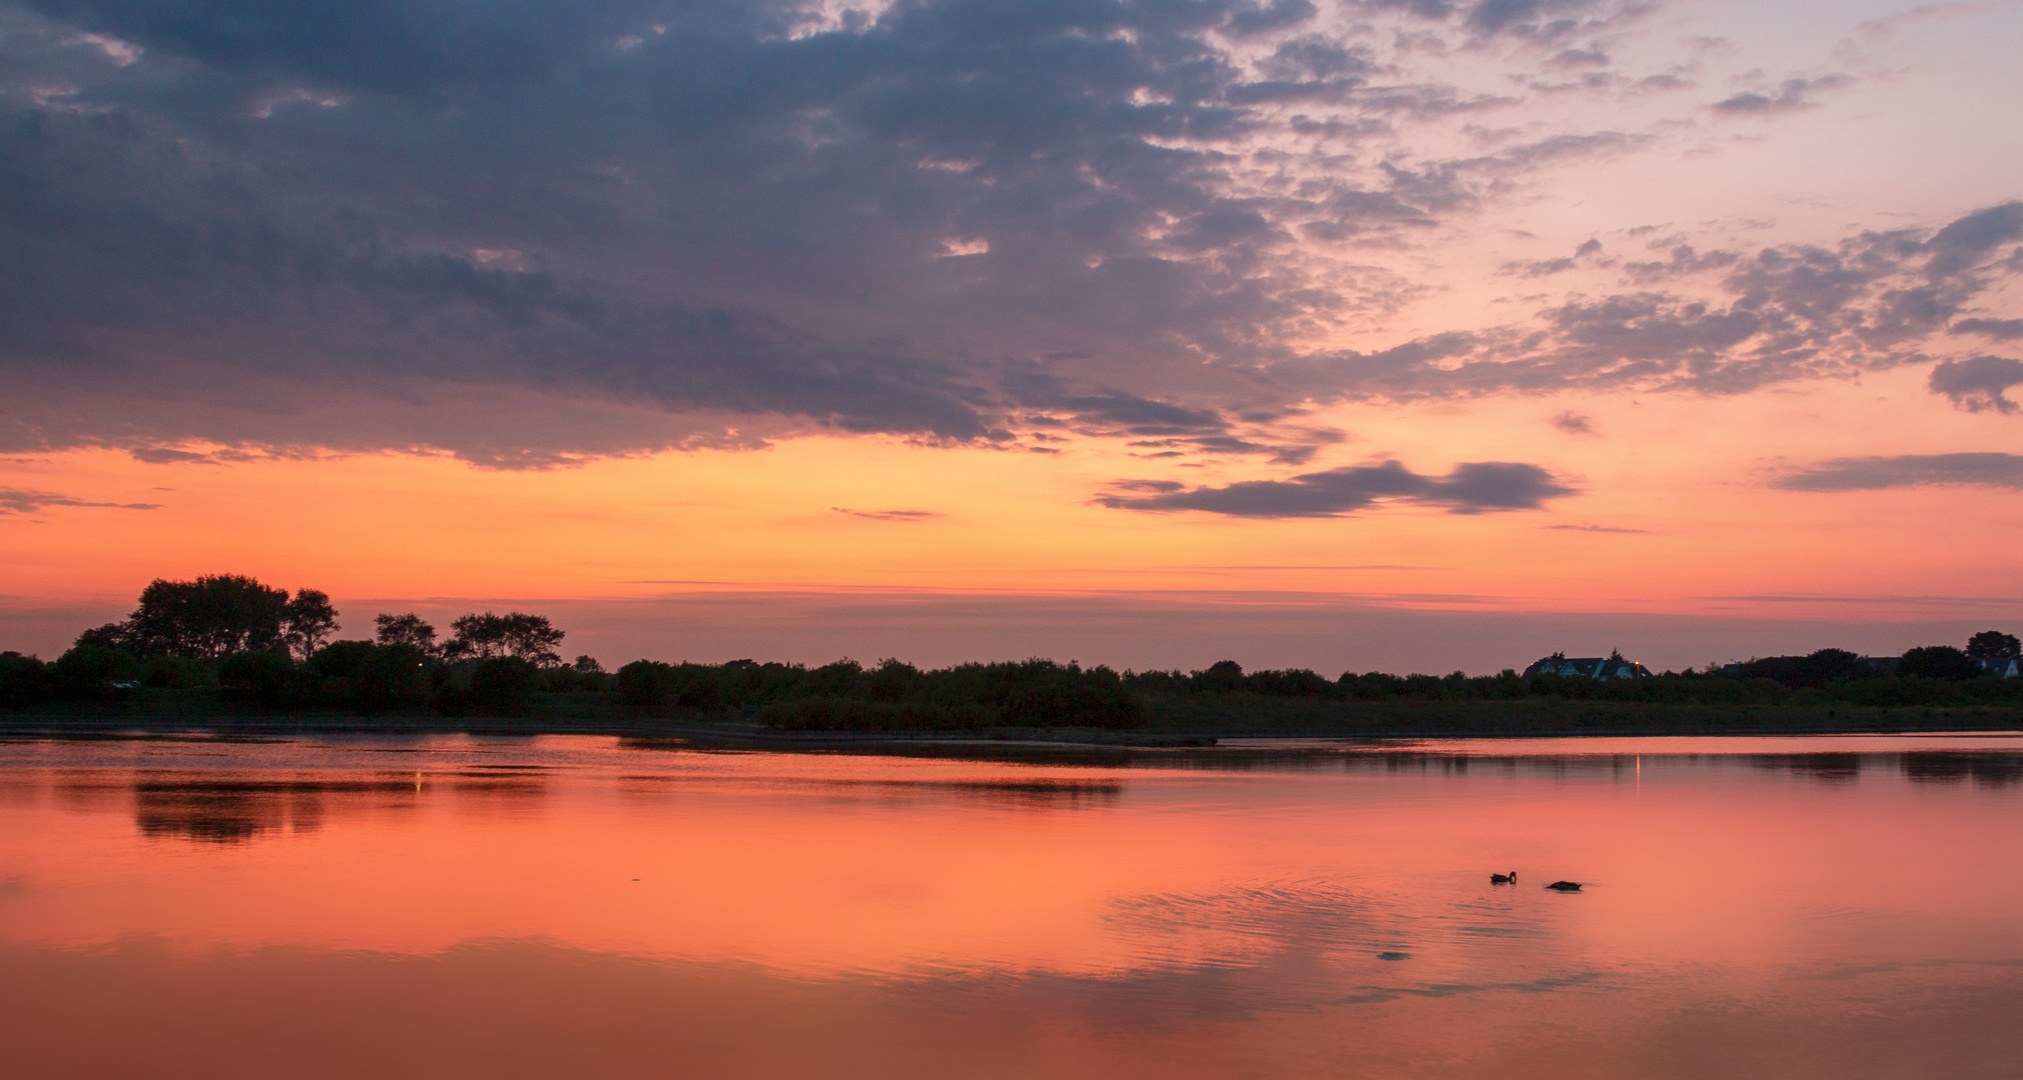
column 1210, row 740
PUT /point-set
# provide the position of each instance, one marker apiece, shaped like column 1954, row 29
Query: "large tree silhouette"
column 1994, row 645
column 515, row 634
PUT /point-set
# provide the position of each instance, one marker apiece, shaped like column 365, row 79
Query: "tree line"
column 231, row 638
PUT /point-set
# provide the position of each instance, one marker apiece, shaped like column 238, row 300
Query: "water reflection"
column 1831, row 768
column 1993, row 770
column 223, row 807
column 473, row 907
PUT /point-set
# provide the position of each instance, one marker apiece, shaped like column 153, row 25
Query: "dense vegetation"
column 235, row 644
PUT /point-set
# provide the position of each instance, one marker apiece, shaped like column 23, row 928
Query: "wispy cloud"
column 26, row 501
column 889, row 515
column 1906, row 470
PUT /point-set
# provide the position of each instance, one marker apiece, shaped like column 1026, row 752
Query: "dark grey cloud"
column 29, row 501
column 1574, row 423
column 1961, row 244
column 1597, row 529
column 1907, row 470
column 1997, row 329
column 734, row 209
column 155, row 455
column 639, row 224
column 372, row 45
column 1978, row 383
column 1472, row 488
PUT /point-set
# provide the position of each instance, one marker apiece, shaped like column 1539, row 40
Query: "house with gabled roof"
column 1612, row 666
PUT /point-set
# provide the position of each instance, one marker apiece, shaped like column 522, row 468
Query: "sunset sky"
column 1397, row 334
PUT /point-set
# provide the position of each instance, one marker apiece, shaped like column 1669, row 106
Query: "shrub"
column 174, row 673
column 1085, row 704
column 504, row 684
column 258, row 675
column 24, row 680
column 341, row 659
column 389, row 676
column 845, row 714
column 93, row 668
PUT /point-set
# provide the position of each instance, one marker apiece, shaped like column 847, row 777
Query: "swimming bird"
column 1564, row 886
column 1503, row 879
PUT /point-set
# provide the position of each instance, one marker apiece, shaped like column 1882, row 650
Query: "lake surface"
column 576, row 906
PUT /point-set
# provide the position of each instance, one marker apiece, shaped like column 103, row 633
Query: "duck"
column 1564, row 886
column 1503, row 879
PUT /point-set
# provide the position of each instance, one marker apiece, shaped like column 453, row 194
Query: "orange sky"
column 1002, row 372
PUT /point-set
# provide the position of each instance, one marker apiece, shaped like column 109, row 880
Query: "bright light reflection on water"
column 564, row 906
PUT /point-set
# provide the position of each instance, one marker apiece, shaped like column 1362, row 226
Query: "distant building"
column 1589, row 667
column 2002, row 667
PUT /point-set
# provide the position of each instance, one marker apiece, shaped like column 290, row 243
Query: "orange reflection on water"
column 1310, row 915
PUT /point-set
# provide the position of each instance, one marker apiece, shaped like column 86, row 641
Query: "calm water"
column 443, row 907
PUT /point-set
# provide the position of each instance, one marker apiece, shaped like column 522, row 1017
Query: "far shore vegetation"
column 227, row 649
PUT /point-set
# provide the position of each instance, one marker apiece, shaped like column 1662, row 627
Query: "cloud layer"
column 955, row 221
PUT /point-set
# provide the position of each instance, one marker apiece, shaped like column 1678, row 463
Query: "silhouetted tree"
column 212, row 617
column 1819, row 669
column 1938, row 662
column 515, row 634
column 588, row 665
column 406, row 629
column 1994, row 645
column 1221, row 675
column 307, row 621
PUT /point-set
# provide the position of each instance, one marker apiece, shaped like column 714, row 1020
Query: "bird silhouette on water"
column 1564, row 886
column 1503, row 879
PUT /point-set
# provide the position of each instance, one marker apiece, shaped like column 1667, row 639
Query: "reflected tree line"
column 1984, row 768
column 234, row 807
column 233, row 642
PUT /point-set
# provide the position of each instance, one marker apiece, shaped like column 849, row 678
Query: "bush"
column 341, row 659
column 390, row 676
column 24, row 680
column 92, row 669
column 1822, row 668
column 174, row 673
column 1085, row 704
column 259, row 675
column 843, row 714
column 504, row 684
column 570, row 680
column 650, row 684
